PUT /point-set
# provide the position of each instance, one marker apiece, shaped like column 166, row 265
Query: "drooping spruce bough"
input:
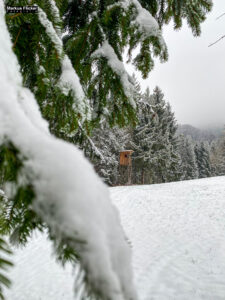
column 4, row 265
column 70, row 58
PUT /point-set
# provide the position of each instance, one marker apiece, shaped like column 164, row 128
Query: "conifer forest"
column 78, row 129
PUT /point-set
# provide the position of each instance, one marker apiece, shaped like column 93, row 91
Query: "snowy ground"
column 36, row 276
column 177, row 232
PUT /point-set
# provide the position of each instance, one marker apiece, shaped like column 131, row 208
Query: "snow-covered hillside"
column 176, row 231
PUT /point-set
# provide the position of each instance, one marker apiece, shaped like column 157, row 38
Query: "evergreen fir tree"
column 217, row 156
column 141, row 139
column 137, row 88
column 173, row 172
column 214, row 157
column 156, row 157
column 189, row 165
column 203, row 159
column 221, row 165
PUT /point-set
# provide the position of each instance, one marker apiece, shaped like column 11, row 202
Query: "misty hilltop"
column 197, row 134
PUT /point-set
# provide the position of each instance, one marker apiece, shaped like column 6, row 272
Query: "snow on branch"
column 69, row 79
column 144, row 21
column 56, row 15
column 117, row 66
column 147, row 24
column 69, row 197
column 50, row 30
column 31, row 109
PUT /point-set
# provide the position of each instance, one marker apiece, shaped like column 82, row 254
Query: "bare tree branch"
column 220, row 16
column 220, row 37
column 217, row 41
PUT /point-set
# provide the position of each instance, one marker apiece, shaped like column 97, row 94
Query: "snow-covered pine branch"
column 79, row 215
column 56, row 16
column 146, row 24
column 142, row 18
column 145, row 28
column 69, row 80
column 118, row 67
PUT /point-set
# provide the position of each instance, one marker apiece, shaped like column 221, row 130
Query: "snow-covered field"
column 176, row 231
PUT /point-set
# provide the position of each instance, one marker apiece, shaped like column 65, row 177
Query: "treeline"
column 160, row 153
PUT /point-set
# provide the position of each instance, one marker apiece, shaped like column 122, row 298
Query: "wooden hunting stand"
column 125, row 161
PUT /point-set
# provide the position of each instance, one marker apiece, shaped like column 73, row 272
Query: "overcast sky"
column 193, row 79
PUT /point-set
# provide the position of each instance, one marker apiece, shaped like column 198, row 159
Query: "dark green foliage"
column 16, row 217
column 34, row 48
column 119, row 110
column 88, row 23
column 19, row 219
column 4, row 265
column 166, row 10
column 10, row 163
